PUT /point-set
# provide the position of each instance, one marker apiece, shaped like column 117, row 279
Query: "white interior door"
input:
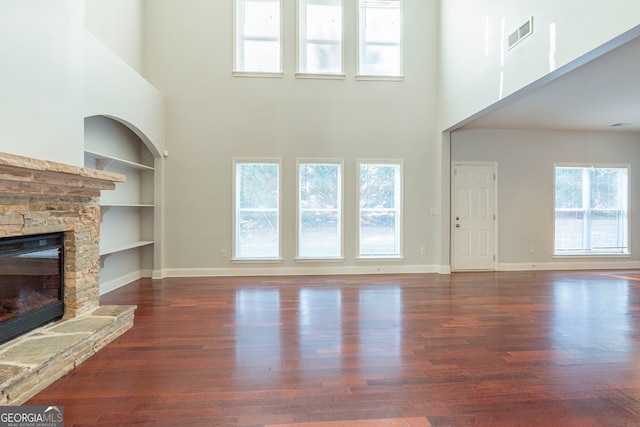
column 473, row 222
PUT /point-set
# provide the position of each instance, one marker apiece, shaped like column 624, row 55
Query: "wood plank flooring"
column 498, row 349
column 395, row 422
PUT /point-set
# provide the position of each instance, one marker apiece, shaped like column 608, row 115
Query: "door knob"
column 457, row 225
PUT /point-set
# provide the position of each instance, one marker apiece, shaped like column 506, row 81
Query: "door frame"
column 452, row 240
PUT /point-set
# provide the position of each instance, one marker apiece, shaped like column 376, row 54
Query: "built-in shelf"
column 104, row 160
column 127, row 205
column 120, row 248
column 128, row 212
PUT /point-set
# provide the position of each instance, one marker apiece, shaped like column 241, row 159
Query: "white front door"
column 473, row 222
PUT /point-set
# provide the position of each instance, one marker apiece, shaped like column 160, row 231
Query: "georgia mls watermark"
column 31, row 416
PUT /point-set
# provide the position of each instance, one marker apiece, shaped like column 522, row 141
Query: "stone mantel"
column 20, row 175
column 40, row 196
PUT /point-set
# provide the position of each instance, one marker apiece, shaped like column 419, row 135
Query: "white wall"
column 42, row 79
column 525, row 187
column 113, row 89
column 476, row 68
column 119, row 25
column 213, row 117
column 115, row 86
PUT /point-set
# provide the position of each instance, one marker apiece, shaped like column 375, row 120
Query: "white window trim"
column 380, row 78
column 400, row 255
column 321, row 76
column 366, row 77
column 241, row 73
column 257, row 74
column 340, row 162
column 559, row 255
column 329, row 76
column 377, row 258
column 234, row 257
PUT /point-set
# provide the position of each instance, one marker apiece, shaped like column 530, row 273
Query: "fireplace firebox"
column 31, row 283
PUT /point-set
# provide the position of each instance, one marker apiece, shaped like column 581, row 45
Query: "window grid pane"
column 320, row 211
column 378, row 233
column 257, row 210
column 319, row 234
column 605, row 227
column 258, row 234
column 569, row 230
column 591, row 210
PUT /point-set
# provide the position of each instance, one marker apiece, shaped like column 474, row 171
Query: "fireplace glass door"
column 31, row 283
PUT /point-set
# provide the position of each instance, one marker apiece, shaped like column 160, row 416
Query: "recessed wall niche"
column 127, row 214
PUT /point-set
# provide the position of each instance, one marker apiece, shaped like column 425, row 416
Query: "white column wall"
column 42, row 79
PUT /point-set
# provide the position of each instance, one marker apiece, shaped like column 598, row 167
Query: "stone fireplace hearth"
column 39, row 197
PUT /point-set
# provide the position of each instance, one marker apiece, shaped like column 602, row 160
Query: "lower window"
column 591, row 210
column 319, row 209
column 257, row 209
column 379, row 213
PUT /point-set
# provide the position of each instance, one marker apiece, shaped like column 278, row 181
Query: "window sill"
column 380, row 258
column 381, row 78
column 321, row 76
column 319, row 259
column 256, row 260
column 577, row 256
column 256, row 74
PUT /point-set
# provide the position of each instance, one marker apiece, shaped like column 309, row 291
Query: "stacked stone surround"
column 38, row 196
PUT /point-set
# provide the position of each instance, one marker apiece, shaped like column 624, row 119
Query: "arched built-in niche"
column 127, row 214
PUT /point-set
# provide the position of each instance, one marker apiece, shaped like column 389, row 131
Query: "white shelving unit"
column 104, row 160
column 125, row 205
column 125, row 247
column 127, row 213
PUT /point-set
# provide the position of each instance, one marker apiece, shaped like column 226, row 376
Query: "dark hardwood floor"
column 499, row 349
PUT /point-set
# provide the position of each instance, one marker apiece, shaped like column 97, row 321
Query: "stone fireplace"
column 39, row 197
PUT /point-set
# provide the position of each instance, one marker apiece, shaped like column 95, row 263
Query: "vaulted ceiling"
column 601, row 95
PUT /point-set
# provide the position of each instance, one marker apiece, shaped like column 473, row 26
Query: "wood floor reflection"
column 499, row 349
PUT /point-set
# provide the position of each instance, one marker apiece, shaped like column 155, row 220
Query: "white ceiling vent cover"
column 521, row 33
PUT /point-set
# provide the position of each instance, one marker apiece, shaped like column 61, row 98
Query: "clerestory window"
column 320, row 37
column 380, row 38
column 258, row 36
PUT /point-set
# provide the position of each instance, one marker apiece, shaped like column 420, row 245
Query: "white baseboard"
column 570, row 265
column 263, row 270
column 158, row 274
column 444, row 269
column 118, row 282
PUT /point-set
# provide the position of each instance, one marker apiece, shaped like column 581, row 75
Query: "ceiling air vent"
column 521, row 33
